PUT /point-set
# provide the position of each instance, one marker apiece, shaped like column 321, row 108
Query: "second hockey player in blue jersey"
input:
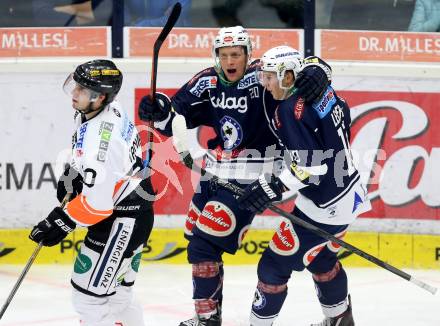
column 319, row 166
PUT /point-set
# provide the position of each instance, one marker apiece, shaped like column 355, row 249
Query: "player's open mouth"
column 231, row 71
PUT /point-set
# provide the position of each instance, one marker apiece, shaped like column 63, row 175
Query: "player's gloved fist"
column 260, row 193
column 53, row 228
column 70, row 182
column 158, row 110
column 312, row 81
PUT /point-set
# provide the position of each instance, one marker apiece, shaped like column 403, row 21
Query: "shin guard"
column 267, row 303
column 208, row 287
column 331, row 288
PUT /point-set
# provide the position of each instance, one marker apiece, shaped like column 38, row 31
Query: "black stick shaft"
column 172, row 19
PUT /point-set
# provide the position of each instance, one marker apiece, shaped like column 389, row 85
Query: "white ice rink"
column 379, row 297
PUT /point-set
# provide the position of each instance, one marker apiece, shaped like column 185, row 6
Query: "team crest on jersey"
column 231, row 132
column 324, row 106
column 217, row 219
column 248, row 80
column 285, row 241
column 203, row 84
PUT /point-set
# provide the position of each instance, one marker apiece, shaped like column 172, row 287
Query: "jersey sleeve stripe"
column 80, row 211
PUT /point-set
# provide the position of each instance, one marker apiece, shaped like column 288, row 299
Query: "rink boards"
column 168, row 246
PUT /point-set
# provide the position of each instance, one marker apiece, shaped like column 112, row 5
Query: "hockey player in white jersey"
column 106, row 197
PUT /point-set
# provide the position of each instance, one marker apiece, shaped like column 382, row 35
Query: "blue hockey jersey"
column 316, row 138
column 238, row 112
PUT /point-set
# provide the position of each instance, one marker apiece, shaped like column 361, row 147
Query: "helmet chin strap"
column 89, row 109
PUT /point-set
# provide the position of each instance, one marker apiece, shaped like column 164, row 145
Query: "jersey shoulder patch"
column 202, row 81
column 324, row 106
column 248, row 80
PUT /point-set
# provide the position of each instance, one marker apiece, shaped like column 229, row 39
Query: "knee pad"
column 270, row 271
column 200, row 250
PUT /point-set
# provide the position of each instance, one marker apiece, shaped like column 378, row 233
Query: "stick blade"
column 172, row 19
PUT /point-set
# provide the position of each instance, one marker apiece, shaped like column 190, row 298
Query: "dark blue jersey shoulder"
column 238, row 112
column 317, row 137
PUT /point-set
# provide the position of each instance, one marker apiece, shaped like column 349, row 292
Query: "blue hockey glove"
column 313, row 80
column 260, row 193
column 157, row 111
column 53, row 228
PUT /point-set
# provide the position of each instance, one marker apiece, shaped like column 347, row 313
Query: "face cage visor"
column 79, row 92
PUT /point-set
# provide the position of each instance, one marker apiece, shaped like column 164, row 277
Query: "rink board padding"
column 168, row 246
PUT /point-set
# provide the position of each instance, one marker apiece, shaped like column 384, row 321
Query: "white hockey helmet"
column 232, row 36
column 279, row 60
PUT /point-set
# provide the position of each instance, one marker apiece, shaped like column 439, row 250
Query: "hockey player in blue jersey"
column 228, row 98
column 319, row 165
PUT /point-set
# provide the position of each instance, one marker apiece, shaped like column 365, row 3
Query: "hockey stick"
column 172, row 19
column 180, row 143
column 27, row 267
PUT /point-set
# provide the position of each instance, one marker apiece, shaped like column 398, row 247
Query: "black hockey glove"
column 157, row 111
column 260, row 193
column 313, row 80
column 53, row 228
column 70, row 182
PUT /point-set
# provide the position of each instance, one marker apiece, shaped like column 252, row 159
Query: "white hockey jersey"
column 106, row 152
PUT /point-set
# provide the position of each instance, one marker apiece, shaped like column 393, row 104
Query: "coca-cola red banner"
column 395, row 142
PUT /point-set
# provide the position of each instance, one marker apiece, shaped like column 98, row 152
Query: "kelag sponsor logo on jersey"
column 230, row 103
column 203, row 84
column 247, row 80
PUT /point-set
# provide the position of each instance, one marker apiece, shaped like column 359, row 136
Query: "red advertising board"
column 55, row 42
column 395, row 140
column 379, row 46
column 197, row 42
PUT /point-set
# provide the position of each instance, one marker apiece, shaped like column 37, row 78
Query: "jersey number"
column 350, row 165
column 254, row 92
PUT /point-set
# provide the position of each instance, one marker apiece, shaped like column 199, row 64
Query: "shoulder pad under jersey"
column 205, row 79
